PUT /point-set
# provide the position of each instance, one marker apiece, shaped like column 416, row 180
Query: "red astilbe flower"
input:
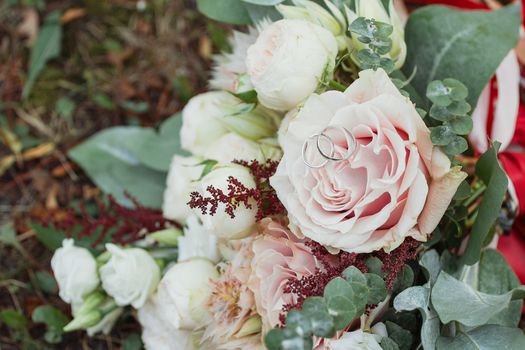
column 334, row 265
column 113, row 223
column 263, row 195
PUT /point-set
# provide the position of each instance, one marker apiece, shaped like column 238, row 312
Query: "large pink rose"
column 278, row 256
column 395, row 184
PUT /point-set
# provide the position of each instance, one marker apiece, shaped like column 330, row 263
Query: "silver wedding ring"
column 327, row 136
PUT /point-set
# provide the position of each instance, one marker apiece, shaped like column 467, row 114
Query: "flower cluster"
column 297, row 218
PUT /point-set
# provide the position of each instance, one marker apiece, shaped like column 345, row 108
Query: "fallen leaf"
column 72, row 14
column 6, row 163
column 38, row 151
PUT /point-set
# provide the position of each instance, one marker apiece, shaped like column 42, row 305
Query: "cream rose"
column 184, row 291
column 277, row 256
column 220, row 222
column 288, row 62
column 374, row 199
column 232, row 147
column 130, row 276
column 75, row 270
column 201, row 120
column 183, row 173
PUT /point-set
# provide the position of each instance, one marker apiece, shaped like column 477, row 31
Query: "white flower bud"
column 198, row 242
column 75, row 270
column 130, row 276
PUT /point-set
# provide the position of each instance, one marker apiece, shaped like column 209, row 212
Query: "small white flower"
column 288, row 62
column 221, row 223
column 75, row 270
column 130, row 276
column 232, row 147
column 356, row 340
column 201, row 120
column 229, row 72
column 183, row 173
column 198, row 242
column 184, row 291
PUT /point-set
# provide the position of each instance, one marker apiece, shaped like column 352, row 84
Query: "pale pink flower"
column 278, row 257
column 231, row 304
column 377, row 197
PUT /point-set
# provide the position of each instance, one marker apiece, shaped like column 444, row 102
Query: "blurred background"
column 68, row 69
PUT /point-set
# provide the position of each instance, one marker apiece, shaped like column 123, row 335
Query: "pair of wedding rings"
column 326, row 146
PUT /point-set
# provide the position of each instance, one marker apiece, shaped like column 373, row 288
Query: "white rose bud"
column 201, row 124
column 288, row 62
column 130, row 276
column 183, row 173
column 75, row 270
column 221, row 223
column 183, row 292
column 374, row 9
column 198, row 242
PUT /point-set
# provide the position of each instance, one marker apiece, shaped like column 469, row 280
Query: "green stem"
column 475, row 195
column 336, row 85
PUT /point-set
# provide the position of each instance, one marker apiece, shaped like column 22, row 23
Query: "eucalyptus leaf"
column 404, row 280
column 47, row 47
column 460, row 125
column 418, row 297
column 457, row 146
column 110, row 160
column 466, row 45
column 496, row 277
column 229, row 11
column 376, row 287
column 402, row 337
column 322, row 323
column 389, row 344
column 442, row 135
column 487, row 337
column 467, row 305
column 489, row 170
column 431, row 263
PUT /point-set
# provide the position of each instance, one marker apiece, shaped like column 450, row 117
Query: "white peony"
column 183, row 293
column 183, row 173
column 232, row 147
column 130, row 276
column 288, row 62
column 220, row 222
column 201, row 124
column 158, row 333
column 356, row 340
column 75, row 270
column 198, row 242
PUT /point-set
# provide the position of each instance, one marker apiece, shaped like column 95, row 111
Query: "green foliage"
column 239, row 11
column 445, row 42
column 132, row 342
column 449, row 115
column 131, row 159
column 488, row 337
column 54, row 320
column 343, row 300
column 44, row 281
column 389, row 344
column 13, row 319
column 47, row 46
column 376, row 36
column 402, row 337
column 490, row 172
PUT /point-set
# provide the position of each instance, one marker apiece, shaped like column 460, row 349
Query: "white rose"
column 201, row 124
column 232, row 147
column 183, row 173
column 289, row 60
column 130, row 276
column 183, row 293
column 158, row 333
column 221, row 223
column 75, row 270
column 198, row 242
column 357, row 340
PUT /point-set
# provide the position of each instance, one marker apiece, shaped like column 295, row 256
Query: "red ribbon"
column 464, row 4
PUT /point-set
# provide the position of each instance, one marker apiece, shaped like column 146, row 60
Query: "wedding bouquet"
column 338, row 188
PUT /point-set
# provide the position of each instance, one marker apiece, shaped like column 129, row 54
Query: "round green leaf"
column 342, row 310
column 461, row 125
column 317, row 311
column 274, row 339
column 354, row 275
column 405, row 279
column 441, row 113
column 375, row 265
column 229, row 11
column 458, row 91
column 459, row 108
column 457, row 146
column 438, row 93
column 377, row 288
column 338, row 287
column 442, row 135
column 299, row 323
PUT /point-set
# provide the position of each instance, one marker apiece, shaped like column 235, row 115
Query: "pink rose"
column 378, row 196
column 278, row 256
